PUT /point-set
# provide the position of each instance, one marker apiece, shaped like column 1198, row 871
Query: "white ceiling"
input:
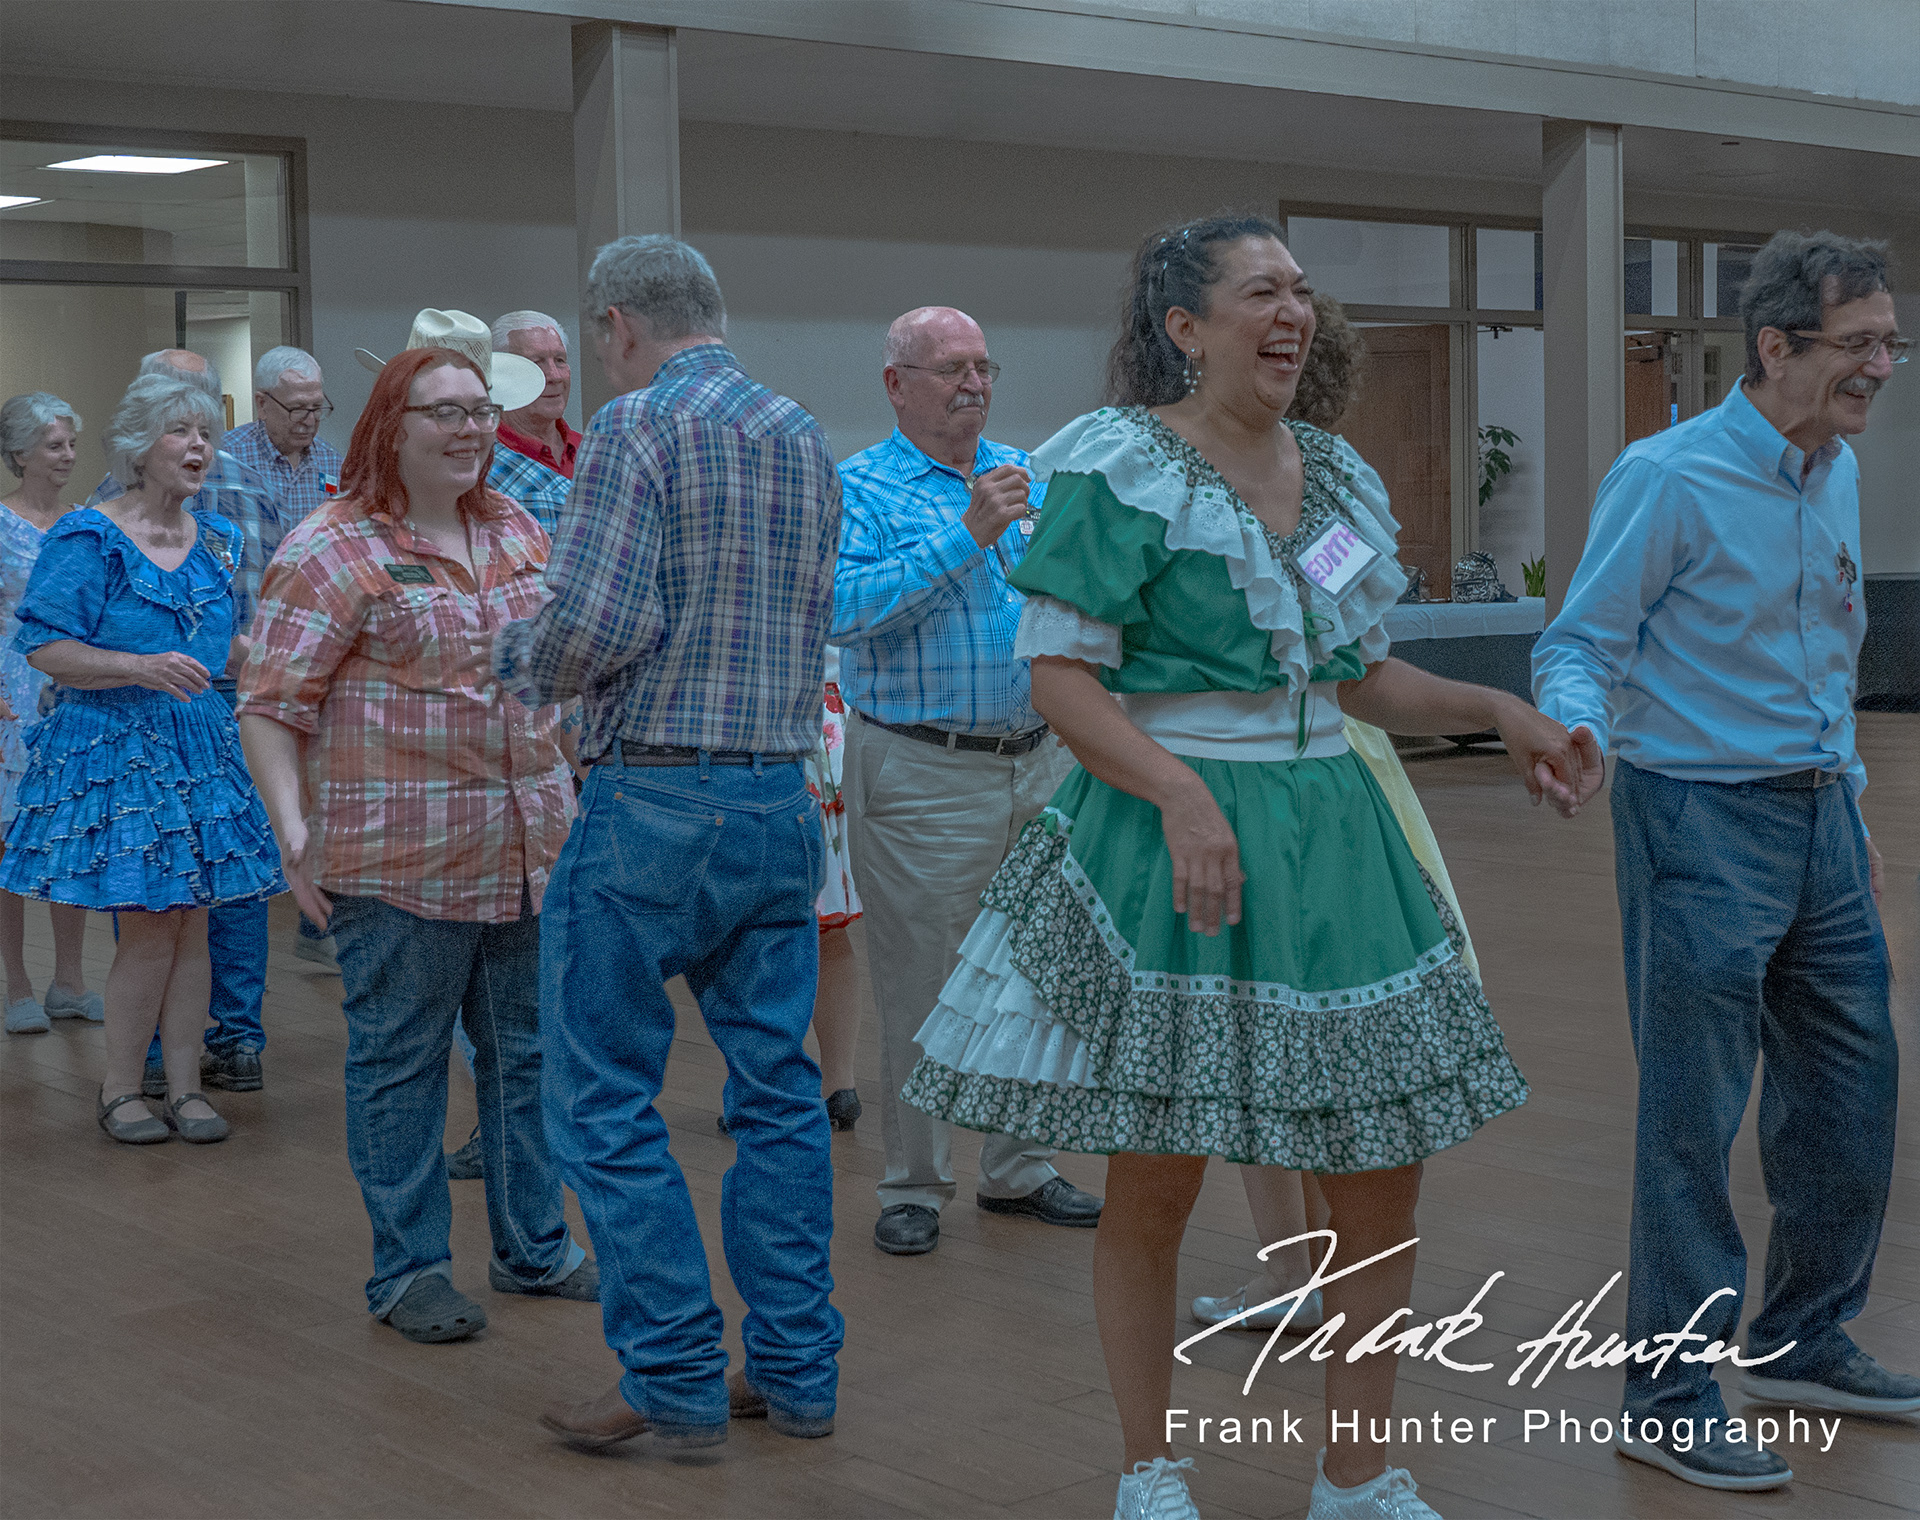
column 404, row 50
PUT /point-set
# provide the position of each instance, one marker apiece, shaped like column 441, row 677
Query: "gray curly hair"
column 25, row 419
column 152, row 404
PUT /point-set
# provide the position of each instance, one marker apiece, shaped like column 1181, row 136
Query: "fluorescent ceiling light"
column 8, row 202
column 130, row 163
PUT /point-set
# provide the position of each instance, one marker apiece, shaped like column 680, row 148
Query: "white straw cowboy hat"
column 512, row 382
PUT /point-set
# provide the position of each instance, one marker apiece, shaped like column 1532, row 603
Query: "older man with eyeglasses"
column 535, row 450
column 283, row 443
column 946, row 760
column 1712, row 631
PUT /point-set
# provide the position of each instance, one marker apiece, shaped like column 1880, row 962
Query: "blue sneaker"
column 1856, row 1384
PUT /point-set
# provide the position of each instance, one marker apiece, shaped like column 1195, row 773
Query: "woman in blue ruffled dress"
column 137, row 799
column 38, row 441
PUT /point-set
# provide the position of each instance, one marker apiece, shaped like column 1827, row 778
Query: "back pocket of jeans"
column 659, row 852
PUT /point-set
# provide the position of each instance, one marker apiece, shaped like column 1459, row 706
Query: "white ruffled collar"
column 1150, row 467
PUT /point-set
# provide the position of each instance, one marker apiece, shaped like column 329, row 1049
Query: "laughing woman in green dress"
column 1215, row 941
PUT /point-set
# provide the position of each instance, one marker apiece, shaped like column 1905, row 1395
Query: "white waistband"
column 1240, row 725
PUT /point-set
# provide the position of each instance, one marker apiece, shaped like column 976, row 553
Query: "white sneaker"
column 27, row 1017
column 1310, row 1315
column 62, row 1004
column 1156, row 1490
column 1390, row 1496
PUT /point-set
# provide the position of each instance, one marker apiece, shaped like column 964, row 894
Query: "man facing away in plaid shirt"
column 692, row 581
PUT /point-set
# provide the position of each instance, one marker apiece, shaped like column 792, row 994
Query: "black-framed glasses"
column 302, row 413
column 451, row 416
column 1861, row 347
column 958, row 371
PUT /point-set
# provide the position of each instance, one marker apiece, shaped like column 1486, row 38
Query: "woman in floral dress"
column 1215, row 941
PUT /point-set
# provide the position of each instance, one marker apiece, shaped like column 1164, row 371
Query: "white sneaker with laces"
column 1390, row 1496
column 1156, row 1490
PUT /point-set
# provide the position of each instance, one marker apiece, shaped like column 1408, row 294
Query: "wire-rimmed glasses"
column 451, row 416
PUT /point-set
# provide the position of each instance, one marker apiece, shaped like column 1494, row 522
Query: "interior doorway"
column 1653, row 395
column 1402, row 427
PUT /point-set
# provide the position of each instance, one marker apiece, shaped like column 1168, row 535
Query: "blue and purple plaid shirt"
column 299, row 492
column 542, row 491
column 693, row 585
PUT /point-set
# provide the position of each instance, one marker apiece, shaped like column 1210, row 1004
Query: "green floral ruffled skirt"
column 1335, row 1028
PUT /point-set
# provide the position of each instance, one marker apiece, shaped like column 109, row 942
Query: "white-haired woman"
column 136, row 798
column 39, row 436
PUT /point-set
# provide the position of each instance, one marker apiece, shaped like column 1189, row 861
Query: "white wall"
column 1889, row 454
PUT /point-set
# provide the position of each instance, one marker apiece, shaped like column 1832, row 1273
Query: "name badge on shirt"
column 330, row 484
column 410, row 575
column 1335, row 558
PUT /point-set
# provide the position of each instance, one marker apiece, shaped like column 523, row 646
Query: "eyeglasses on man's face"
column 957, row 372
column 318, row 413
column 1862, row 347
column 451, row 417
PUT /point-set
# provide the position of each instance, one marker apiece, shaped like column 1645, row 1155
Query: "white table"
column 1464, row 620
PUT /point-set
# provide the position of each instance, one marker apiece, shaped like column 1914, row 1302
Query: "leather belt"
column 629, row 753
column 1796, row 781
column 1010, row 744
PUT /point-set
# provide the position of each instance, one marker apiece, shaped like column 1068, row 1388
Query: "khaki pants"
column 929, row 827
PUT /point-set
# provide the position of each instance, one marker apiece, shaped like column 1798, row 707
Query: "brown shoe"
column 745, row 1402
column 593, row 1423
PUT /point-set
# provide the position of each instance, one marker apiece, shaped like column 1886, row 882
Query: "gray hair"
column 1795, row 277
column 284, row 360
column 662, row 282
column 24, row 419
column 157, row 363
column 524, row 321
column 152, row 404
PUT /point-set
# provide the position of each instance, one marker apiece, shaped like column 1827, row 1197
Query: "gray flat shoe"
column 195, row 1131
column 432, row 1310
column 582, row 1284
column 27, row 1017
column 146, row 1130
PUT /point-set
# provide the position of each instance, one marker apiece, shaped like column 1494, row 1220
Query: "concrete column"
column 1585, row 319
column 626, row 155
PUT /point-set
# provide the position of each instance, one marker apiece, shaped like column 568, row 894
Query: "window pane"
column 231, row 211
column 1376, row 263
column 1722, row 360
column 1653, row 396
column 85, row 343
column 1513, row 398
column 1507, row 268
column 1724, row 268
column 1653, row 277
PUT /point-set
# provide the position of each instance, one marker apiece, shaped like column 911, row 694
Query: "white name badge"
column 1333, row 559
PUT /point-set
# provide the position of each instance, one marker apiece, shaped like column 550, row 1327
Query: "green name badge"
column 411, row 575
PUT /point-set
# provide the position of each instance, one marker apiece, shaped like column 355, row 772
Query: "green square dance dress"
column 1336, row 1028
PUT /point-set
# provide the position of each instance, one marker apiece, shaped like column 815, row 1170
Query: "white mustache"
column 967, row 399
column 1861, row 385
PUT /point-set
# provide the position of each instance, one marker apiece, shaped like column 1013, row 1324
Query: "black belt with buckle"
column 1796, row 781
column 629, row 753
column 1011, row 744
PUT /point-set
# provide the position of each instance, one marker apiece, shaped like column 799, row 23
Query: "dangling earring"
column 1192, row 374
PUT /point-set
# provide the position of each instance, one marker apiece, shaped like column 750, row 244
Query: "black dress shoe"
column 231, row 1070
column 843, row 1108
column 1055, row 1201
column 466, row 1164
column 907, row 1229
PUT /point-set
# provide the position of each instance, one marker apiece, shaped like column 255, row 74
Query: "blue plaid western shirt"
column 542, row 491
column 299, row 492
column 692, row 590
column 923, row 615
column 236, row 492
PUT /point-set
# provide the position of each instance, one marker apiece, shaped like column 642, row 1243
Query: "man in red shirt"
column 539, row 429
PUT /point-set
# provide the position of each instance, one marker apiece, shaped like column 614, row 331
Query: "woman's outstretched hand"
column 178, row 675
column 1565, row 769
column 1206, row 860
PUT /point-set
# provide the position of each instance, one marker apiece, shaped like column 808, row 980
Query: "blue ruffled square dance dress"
column 134, row 799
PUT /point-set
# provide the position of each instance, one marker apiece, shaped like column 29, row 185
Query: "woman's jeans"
column 710, row 871
column 1750, row 934
column 406, row 978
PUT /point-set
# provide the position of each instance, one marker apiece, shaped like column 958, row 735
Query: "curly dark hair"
column 1176, row 266
column 1336, row 364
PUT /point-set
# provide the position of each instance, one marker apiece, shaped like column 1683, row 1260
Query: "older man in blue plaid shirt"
column 691, row 594
column 946, row 760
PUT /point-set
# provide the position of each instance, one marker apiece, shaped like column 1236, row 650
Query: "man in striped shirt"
column 692, row 588
column 946, row 759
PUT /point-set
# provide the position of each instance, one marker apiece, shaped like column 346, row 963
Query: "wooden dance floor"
column 182, row 1331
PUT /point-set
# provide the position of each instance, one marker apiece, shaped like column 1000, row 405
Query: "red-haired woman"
column 438, row 810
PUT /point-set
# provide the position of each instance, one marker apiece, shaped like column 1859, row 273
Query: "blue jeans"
column 1750, row 932
column 669, row 870
column 405, row 978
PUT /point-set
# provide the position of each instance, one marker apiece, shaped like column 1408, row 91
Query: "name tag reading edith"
column 1333, row 559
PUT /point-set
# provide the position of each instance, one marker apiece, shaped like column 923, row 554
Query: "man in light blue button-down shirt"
column 946, row 759
column 1709, row 639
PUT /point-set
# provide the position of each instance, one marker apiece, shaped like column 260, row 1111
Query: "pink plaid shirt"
column 437, row 794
